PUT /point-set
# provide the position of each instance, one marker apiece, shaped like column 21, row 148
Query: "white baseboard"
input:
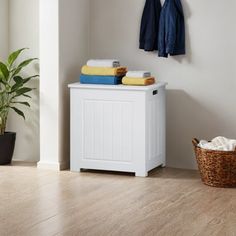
column 52, row 165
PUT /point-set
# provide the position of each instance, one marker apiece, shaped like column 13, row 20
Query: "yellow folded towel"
column 118, row 71
column 138, row 81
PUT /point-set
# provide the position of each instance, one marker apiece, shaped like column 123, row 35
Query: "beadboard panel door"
column 107, row 130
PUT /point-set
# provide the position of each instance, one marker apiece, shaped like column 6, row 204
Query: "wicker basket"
column 217, row 168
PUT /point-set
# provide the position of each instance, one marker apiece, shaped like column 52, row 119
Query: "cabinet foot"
column 75, row 170
column 141, row 174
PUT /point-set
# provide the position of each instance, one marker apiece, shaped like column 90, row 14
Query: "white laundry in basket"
column 219, row 144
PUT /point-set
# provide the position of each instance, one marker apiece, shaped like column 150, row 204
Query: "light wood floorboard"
column 169, row 202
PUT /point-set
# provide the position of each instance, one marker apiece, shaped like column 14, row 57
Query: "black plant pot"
column 7, row 145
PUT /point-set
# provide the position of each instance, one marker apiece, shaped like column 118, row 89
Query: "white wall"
column 201, row 93
column 24, row 32
column 4, row 29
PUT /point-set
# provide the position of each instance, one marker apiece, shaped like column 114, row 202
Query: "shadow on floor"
column 103, row 172
column 173, row 173
column 159, row 172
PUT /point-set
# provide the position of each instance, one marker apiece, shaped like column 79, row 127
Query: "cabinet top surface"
column 118, row 87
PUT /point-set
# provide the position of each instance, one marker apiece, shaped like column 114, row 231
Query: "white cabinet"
column 118, row 128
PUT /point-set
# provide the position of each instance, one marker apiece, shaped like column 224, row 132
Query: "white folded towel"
column 111, row 63
column 219, row 144
column 138, row 74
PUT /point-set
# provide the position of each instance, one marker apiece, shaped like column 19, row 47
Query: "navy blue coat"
column 171, row 38
column 148, row 39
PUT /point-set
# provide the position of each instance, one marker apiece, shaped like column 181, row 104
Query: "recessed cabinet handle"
column 155, row 92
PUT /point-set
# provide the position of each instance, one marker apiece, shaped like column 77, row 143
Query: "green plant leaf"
column 18, row 79
column 4, row 72
column 22, row 91
column 27, row 62
column 22, row 103
column 22, row 65
column 29, row 78
column 19, row 112
column 2, row 79
column 13, row 56
column 15, row 87
column 26, row 95
column 18, row 83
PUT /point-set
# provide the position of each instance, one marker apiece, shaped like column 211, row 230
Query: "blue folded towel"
column 99, row 79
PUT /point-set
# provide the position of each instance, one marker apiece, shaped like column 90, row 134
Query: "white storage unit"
column 117, row 127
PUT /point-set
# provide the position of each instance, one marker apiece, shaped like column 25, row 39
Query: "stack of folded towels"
column 138, row 78
column 102, row 72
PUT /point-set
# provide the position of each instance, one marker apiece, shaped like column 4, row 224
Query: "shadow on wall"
column 33, row 117
column 187, row 119
column 71, row 77
column 27, row 130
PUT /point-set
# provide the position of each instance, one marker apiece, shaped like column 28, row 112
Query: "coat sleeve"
column 149, row 25
column 162, row 36
column 167, row 32
column 172, row 29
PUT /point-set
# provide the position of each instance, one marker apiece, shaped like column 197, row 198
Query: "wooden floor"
column 169, row 202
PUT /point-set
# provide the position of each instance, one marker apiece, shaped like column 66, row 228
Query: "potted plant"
column 12, row 91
